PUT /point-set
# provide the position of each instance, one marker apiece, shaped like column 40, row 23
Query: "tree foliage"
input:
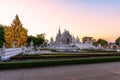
column 88, row 39
column 38, row 40
column 102, row 42
column 117, row 41
column 1, row 36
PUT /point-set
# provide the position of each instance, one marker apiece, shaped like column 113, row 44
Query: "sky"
column 92, row 18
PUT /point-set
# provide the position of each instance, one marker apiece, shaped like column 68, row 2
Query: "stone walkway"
column 102, row 71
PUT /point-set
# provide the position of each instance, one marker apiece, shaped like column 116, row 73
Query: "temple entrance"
column 14, row 44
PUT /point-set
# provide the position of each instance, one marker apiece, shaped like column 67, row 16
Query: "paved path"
column 102, row 71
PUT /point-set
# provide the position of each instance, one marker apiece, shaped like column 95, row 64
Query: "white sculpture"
column 14, row 44
column 3, row 50
column 31, row 49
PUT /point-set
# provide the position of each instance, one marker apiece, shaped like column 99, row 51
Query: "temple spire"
column 16, row 21
column 77, row 39
column 59, row 30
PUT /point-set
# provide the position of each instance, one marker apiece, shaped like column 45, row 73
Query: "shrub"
column 43, row 63
column 56, row 55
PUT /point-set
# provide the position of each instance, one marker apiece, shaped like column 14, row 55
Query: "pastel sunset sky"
column 95, row 18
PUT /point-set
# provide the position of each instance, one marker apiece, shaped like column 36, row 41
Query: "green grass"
column 43, row 63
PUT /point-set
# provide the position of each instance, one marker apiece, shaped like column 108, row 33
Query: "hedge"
column 43, row 63
column 56, row 55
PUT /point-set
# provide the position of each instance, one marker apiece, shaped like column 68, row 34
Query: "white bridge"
column 7, row 53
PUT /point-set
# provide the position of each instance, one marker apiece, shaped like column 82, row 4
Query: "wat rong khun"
column 13, row 42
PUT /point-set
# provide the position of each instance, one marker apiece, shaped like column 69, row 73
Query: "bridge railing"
column 7, row 53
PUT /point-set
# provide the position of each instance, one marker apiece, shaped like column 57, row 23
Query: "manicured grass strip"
column 43, row 63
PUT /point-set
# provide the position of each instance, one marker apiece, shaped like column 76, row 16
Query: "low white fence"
column 7, row 53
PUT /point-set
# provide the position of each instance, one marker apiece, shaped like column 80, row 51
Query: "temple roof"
column 16, row 21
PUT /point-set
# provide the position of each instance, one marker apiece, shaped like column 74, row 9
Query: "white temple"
column 65, row 41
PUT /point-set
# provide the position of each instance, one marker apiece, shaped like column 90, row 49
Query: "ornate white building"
column 64, row 38
column 66, row 41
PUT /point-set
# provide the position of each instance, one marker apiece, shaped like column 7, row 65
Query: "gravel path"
column 101, row 71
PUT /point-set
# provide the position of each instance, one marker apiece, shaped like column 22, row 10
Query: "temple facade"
column 15, row 35
column 64, row 38
column 66, row 41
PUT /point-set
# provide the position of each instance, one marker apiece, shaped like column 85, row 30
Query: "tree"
column 42, row 36
column 38, row 40
column 95, row 42
column 88, row 40
column 102, row 42
column 117, row 41
column 29, row 39
column 1, row 36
